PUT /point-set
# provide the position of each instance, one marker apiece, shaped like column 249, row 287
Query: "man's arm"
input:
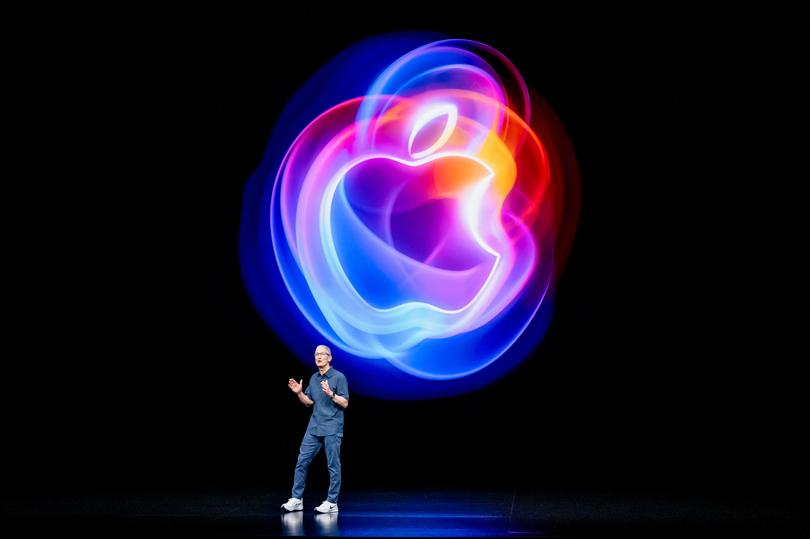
column 340, row 401
column 343, row 402
column 297, row 388
column 304, row 399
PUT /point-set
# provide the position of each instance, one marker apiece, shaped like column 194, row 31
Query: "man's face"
column 322, row 356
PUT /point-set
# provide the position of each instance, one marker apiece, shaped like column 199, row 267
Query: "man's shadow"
column 325, row 523
column 293, row 523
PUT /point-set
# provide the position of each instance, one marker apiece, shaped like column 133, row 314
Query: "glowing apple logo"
column 419, row 228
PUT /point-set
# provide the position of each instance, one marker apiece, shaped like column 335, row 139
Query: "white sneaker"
column 293, row 504
column 327, row 507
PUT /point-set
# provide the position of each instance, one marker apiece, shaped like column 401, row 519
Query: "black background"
column 677, row 355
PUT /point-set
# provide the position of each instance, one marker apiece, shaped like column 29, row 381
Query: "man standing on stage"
column 325, row 428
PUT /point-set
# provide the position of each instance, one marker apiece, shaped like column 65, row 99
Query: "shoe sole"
column 293, row 510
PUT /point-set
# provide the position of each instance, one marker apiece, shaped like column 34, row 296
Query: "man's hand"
column 325, row 387
column 295, row 387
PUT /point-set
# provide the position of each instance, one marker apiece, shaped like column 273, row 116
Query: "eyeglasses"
column 321, row 354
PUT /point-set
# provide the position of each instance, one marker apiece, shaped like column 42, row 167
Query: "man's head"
column 323, row 356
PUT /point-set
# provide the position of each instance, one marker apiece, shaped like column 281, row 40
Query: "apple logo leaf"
column 427, row 125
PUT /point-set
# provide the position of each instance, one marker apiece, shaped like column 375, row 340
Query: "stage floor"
column 505, row 513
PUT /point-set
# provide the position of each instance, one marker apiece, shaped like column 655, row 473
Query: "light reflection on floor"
column 505, row 513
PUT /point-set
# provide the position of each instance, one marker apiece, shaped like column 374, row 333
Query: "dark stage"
column 145, row 395
column 551, row 513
